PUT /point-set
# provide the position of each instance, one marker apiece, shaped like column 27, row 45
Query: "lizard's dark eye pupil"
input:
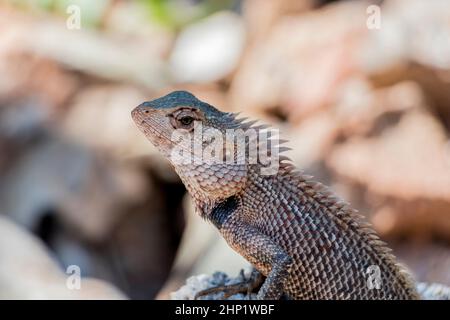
column 186, row 120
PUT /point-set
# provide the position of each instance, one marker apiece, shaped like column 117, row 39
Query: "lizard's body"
column 329, row 250
column 308, row 243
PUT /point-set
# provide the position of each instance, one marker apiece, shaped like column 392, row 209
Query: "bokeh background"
column 367, row 111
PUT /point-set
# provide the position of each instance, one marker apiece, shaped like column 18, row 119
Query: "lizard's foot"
column 246, row 286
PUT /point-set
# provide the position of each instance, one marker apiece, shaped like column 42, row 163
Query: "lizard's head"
column 164, row 119
column 182, row 127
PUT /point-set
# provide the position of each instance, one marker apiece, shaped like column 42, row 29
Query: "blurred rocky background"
column 361, row 89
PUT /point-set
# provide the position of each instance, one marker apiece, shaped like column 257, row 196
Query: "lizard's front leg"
column 267, row 256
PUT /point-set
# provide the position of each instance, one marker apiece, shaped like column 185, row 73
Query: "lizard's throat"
column 204, row 202
column 211, row 184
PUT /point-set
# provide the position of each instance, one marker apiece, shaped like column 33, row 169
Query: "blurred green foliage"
column 177, row 13
column 173, row 14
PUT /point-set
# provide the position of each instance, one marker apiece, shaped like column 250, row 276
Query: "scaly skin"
column 307, row 242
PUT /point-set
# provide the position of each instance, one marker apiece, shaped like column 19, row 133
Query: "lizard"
column 303, row 241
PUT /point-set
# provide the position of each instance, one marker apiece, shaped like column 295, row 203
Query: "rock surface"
column 201, row 282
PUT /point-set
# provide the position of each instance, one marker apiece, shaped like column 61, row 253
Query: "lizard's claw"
column 245, row 286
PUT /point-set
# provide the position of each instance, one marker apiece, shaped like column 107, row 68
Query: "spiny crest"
column 245, row 123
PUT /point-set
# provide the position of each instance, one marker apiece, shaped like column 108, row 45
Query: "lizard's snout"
column 140, row 111
column 134, row 112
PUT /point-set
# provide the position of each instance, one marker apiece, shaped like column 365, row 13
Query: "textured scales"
column 306, row 241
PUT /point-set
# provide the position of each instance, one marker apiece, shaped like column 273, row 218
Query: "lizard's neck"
column 211, row 184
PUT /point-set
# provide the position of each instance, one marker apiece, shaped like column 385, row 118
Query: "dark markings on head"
column 222, row 211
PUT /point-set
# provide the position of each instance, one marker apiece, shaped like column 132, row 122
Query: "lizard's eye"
column 183, row 120
column 186, row 120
